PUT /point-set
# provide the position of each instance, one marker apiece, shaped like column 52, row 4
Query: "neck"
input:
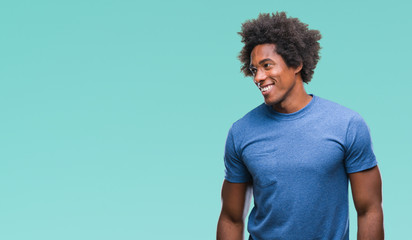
column 294, row 100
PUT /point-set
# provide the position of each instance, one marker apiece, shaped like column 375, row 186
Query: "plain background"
column 114, row 114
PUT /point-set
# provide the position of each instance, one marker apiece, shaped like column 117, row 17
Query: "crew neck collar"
column 294, row 115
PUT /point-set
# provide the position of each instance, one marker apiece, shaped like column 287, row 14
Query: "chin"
column 271, row 102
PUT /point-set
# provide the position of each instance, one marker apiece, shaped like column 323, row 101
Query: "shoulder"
column 335, row 111
column 254, row 116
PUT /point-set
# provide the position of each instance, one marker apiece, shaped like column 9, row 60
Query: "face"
column 276, row 81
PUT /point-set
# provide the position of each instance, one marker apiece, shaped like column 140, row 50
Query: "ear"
column 298, row 68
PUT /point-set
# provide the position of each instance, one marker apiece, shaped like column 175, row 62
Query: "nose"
column 259, row 76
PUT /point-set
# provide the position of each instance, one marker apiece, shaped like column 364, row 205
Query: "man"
column 295, row 152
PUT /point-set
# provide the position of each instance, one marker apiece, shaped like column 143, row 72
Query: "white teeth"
column 266, row 88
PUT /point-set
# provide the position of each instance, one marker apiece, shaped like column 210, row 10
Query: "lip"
column 266, row 85
column 267, row 92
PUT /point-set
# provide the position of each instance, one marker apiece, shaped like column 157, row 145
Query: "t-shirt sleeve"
column 235, row 169
column 359, row 154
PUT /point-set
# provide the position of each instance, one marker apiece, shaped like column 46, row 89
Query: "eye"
column 267, row 65
column 253, row 70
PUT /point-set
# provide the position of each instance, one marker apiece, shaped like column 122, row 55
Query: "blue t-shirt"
column 298, row 164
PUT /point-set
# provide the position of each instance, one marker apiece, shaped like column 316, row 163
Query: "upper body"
column 298, row 164
column 296, row 152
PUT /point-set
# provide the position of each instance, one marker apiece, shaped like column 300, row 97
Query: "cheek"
column 286, row 76
column 275, row 73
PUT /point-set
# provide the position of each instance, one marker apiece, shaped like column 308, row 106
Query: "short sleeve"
column 235, row 169
column 359, row 154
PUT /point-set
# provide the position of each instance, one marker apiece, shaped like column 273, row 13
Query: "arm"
column 367, row 197
column 236, row 199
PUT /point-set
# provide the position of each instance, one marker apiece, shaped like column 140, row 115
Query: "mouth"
column 266, row 89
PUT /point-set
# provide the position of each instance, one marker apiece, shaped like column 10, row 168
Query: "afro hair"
column 293, row 40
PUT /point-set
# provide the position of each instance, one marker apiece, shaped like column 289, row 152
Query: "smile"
column 267, row 88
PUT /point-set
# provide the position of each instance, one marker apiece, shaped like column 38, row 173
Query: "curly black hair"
column 293, row 40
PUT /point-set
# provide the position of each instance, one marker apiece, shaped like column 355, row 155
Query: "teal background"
column 114, row 114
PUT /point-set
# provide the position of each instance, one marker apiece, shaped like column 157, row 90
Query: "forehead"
column 263, row 51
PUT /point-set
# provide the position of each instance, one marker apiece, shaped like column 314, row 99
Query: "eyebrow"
column 260, row 62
